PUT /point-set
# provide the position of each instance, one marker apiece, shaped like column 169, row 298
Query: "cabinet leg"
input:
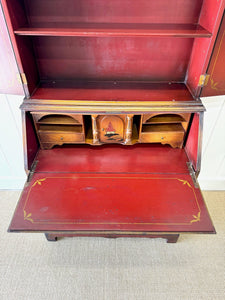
column 51, row 237
column 172, row 238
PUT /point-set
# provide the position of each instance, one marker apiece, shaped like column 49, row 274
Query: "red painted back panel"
column 154, row 59
column 9, row 74
column 113, row 58
column 43, row 12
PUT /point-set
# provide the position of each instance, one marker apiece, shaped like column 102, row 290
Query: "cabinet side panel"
column 210, row 19
column 30, row 140
column 192, row 142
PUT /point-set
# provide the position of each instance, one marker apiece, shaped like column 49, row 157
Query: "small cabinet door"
column 111, row 129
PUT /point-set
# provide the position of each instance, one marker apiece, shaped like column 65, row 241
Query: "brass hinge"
column 22, row 78
column 193, row 174
column 203, row 80
column 31, row 173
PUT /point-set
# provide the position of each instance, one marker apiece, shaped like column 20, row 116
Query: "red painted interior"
column 112, row 40
column 112, row 11
column 112, row 58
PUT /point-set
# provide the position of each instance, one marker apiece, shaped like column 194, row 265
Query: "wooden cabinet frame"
column 132, row 82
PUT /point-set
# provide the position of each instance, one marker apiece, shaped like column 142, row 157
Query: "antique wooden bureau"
column 112, row 119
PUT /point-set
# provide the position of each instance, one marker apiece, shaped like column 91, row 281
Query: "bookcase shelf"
column 162, row 128
column 60, row 128
column 117, row 30
column 86, row 90
column 165, row 118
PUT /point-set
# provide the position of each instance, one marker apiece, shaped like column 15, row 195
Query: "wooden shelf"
column 58, row 120
column 117, row 30
column 165, row 118
column 60, row 128
column 163, row 128
column 112, row 91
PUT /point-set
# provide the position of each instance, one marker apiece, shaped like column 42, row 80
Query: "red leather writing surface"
column 69, row 202
column 112, row 187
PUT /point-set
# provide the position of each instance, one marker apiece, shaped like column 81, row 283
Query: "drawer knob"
column 61, row 138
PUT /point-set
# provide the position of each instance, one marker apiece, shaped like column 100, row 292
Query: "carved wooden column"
column 95, row 129
column 128, row 132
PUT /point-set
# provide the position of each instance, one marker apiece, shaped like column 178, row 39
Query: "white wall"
column 212, row 176
column 12, row 175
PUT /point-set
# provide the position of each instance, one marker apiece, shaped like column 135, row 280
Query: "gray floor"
column 108, row 269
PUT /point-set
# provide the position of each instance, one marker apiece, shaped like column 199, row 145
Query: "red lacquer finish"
column 129, row 202
column 97, row 58
column 43, row 12
column 84, row 39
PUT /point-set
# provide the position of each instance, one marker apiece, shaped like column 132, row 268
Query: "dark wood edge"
column 171, row 238
column 112, row 107
column 200, row 136
column 25, row 142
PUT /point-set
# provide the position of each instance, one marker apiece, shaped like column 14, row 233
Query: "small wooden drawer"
column 61, row 138
column 164, row 134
